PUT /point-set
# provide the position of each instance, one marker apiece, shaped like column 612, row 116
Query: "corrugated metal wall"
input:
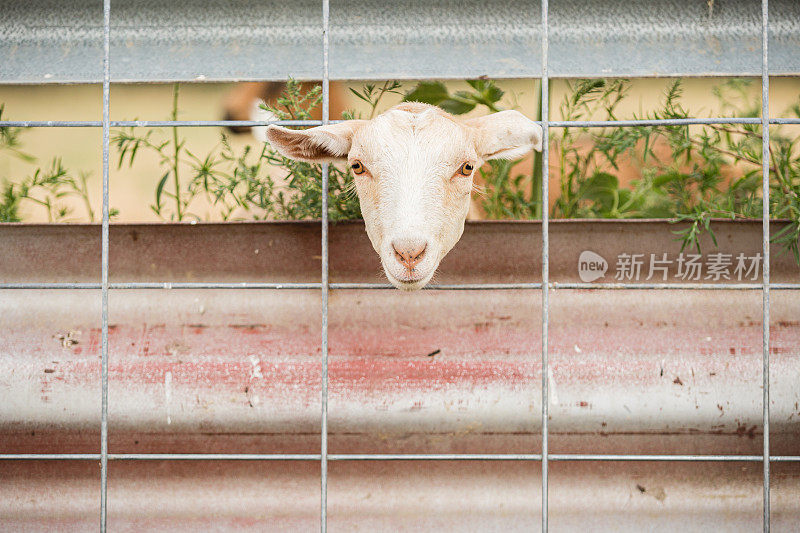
column 45, row 41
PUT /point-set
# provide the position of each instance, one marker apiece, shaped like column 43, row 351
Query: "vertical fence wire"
column 323, row 516
column 104, row 271
column 765, row 248
column 545, row 81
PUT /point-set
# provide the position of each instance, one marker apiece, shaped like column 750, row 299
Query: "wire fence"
column 325, row 286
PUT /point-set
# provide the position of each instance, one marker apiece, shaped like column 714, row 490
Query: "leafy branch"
column 699, row 177
column 239, row 186
column 484, row 92
column 372, row 95
column 46, row 187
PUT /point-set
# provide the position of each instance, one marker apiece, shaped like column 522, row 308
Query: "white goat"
column 413, row 168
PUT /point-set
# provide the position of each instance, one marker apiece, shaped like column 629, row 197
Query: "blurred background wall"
column 132, row 189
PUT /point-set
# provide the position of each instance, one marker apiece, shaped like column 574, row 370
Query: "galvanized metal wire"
column 311, row 123
column 765, row 159
column 167, row 285
column 154, row 123
column 545, row 90
column 396, row 457
column 325, row 286
column 323, row 518
column 104, row 268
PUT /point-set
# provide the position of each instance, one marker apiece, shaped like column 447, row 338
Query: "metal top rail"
column 205, row 40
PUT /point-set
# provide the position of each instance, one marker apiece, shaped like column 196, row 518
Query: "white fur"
column 412, row 192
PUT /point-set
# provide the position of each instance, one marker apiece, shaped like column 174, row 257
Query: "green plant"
column 504, row 196
column 239, row 186
column 584, row 189
column 372, row 95
column 10, row 140
column 129, row 141
column 303, row 199
column 483, row 92
column 704, row 172
column 46, row 187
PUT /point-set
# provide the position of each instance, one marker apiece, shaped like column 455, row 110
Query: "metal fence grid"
column 323, row 457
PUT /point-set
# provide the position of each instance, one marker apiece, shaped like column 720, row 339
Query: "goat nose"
column 409, row 251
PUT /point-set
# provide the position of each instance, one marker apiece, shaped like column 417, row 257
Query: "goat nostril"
column 409, row 253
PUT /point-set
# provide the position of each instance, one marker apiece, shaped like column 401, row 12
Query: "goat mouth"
column 404, row 281
column 408, row 285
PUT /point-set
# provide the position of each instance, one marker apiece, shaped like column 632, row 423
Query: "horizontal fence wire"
column 386, row 286
column 395, row 457
column 311, row 123
column 155, row 123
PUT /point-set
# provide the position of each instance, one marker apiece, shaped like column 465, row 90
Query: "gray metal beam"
column 45, row 41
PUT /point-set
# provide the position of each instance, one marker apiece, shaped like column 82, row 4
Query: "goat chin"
column 408, row 285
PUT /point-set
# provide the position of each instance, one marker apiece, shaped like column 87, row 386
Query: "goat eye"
column 358, row 167
column 466, row 169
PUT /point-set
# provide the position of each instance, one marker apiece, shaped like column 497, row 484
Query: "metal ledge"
column 665, row 378
column 269, row 254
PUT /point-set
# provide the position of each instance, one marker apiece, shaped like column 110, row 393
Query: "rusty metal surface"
column 414, row 496
column 489, row 252
column 237, row 371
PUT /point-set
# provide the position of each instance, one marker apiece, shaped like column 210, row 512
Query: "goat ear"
column 505, row 135
column 322, row 144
